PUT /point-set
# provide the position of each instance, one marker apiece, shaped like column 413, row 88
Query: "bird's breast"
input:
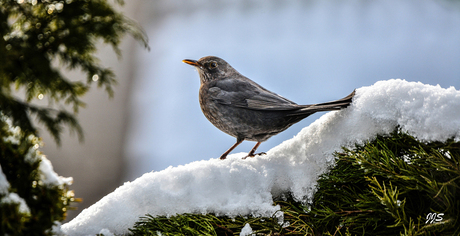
column 209, row 107
column 214, row 111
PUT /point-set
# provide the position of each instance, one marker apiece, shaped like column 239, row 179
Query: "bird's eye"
column 212, row 65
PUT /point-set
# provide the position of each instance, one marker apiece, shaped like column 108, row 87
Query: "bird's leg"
column 238, row 141
column 253, row 150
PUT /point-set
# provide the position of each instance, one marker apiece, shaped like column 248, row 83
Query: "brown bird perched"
column 245, row 110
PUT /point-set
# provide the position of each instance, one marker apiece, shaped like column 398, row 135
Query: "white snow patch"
column 14, row 131
column 15, row 198
column 15, row 134
column 56, row 229
column 246, row 230
column 4, row 184
column 246, row 187
column 10, row 198
column 106, row 232
column 48, row 176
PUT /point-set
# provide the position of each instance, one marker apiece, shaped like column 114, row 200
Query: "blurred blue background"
column 309, row 51
column 306, row 51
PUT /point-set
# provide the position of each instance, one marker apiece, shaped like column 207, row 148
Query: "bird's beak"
column 192, row 62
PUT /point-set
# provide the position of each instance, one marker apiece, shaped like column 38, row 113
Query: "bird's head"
column 211, row 68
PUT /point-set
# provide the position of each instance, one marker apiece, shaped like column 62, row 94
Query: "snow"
column 57, row 231
column 15, row 198
column 106, row 232
column 49, row 177
column 4, row 184
column 14, row 137
column 246, row 187
column 246, row 230
column 47, row 174
column 9, row 198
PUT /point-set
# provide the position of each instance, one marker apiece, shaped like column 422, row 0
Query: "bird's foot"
column 253, row 155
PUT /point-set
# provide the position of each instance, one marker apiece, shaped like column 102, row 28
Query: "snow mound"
column 247, row 187
column 246, row 230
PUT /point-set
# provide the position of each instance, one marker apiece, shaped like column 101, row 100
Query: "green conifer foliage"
column 39, row 34
column 40, row 38
column 45, row 197
column 393, row 185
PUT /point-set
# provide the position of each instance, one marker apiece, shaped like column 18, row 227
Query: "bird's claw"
column 253, row 155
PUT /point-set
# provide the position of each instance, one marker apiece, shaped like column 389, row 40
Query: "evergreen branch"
column 53, row 120
column 37, row 34
column 388, row 186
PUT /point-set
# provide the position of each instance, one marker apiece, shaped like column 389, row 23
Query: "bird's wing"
column 247, row 94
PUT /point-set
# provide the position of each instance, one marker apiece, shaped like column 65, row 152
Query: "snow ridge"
column 235, row 186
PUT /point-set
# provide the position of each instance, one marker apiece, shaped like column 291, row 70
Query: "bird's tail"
column 327, row 106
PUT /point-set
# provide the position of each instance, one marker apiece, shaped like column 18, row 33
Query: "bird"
column 245, row 110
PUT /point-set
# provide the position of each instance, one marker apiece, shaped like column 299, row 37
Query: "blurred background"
column 308, row 51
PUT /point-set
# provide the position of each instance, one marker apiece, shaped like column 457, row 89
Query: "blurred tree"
column 36, row 34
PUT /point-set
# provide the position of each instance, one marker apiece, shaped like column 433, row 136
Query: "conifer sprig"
column 393, row 185
column 38, row 34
